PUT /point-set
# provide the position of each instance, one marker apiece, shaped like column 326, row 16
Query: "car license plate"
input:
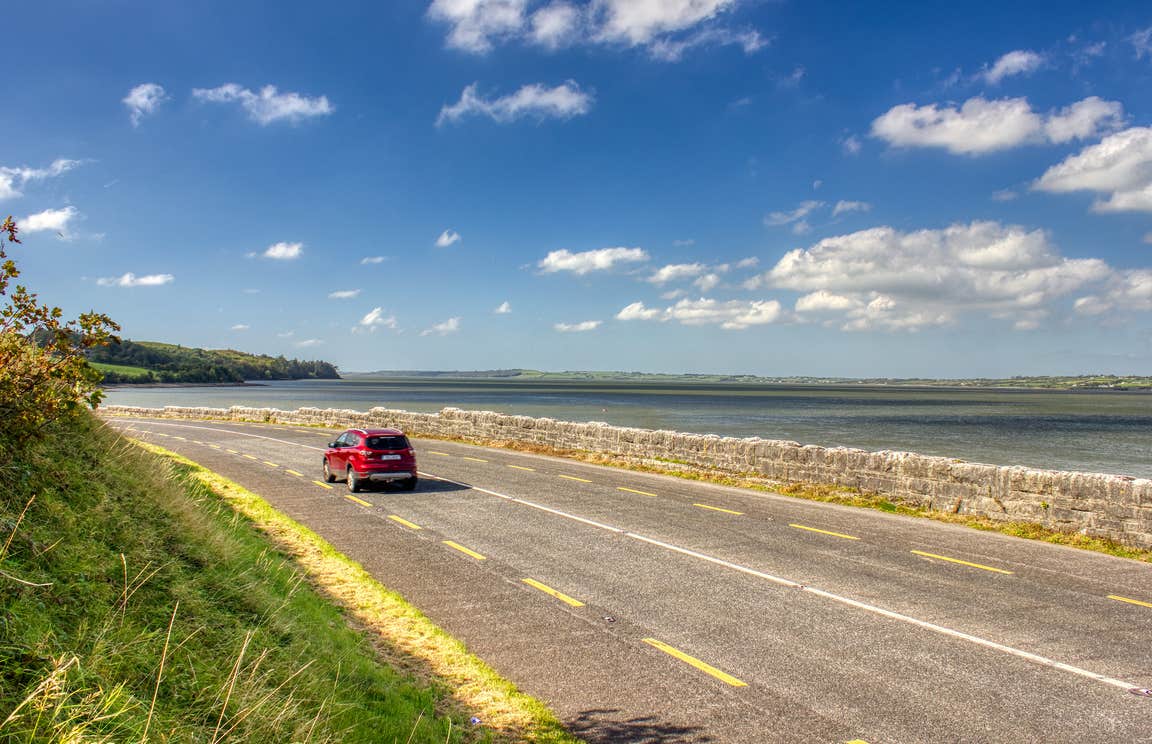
column 389, row 457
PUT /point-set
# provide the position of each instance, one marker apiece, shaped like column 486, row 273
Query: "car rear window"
column 387, row 443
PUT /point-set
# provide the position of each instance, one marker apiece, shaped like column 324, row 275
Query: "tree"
column 44, row 374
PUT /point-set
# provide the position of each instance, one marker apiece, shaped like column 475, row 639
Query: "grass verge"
column 136, row 604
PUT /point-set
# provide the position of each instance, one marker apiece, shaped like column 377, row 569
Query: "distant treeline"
column 143, row 362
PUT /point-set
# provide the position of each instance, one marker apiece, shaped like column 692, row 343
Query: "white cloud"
column 1120, row 166
column 981, row 126
column 131, row 280
column 795, row 217
column 368, row 260
column 843, row 207
column 748, row 263
column 851, row 145
column 308, row 343
column 269, row 105
column 665, row 28
column 886, row 279
column 1148, row 238
column 344, row 294
column 452, row 325
column 447, row 238
column 1004, row 195
column 1019, row 62
column 55, row 220
column 504, row 308
column 143, row 100
column 672, row 272
column 241, row 327
column 583, row 327
column 684, row 242
column 601, row 259
column 536, row 101
column 1142, row 43
column 731, row 315
column 707, row 282
column 14, row 179
column 284, row 251
column 376, row 319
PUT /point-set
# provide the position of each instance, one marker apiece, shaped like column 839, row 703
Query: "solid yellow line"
column 474, row 459
column 442, row 454
column 716, row 508
column 572, row 477
column 549, row 590
column 521, row 467
column 361, row 502
column 404, row 522
column 1129, row 601
column 271, row 464
column 633, row 490
column 464, row 550
column 825, row 532
column 293, row 472
column 323, row 485
column 962, row 563
column 693, row 661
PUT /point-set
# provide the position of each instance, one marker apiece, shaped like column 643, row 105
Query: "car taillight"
column 366, row 453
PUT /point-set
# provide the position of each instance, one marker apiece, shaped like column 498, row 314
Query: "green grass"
column 121, row 369
column 136, row 604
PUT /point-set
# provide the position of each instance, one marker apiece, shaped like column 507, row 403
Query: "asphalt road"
column 652, row 609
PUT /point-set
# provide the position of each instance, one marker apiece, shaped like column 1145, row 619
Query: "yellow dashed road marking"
column 474, row 459
column 323, row 485
column 633, row 490
column 271, row 464
column 962, row 563
column 550, row 591
column 250, row 457
column 182, row 439
column 234, row 452
column 293, row 472
column 214, row 446
column 716, row 508
column 361, row 502
column 824, row 532
column 521, row 467
column 693, row 661
column 442, row 454
column 574, row 478
column 405, row 522
column 1129, row 601
column 464, row 550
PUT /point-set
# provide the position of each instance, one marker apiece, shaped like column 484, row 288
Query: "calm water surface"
column 1093, row 431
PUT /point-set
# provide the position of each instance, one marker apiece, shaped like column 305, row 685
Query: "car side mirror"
column 331, row 445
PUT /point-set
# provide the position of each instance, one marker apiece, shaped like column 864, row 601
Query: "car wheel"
column 354, row 483
column 408, row 484
column 329, row 476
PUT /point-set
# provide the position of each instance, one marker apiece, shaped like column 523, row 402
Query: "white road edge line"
column 960, row 635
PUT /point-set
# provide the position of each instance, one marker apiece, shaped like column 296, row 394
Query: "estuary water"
column 1099, row 431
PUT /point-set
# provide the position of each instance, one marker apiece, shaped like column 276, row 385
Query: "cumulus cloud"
column 283, row 251
column 447, row 238
column 504, row 308
column 344, row 294
column 843, row 207
column 733, row 315
column 796, row 218
column 1019, row 62
column 982, row 126
column 707, row 282
column 601, row 259
column 1119, row 166
column 131, row 280
column 452, row 325
column 672, row 272
column 535, row 101
column 14, row 179
column 376, row 319
column 56, row 220
column 143, row 100
column 665, row 28
column 1127, row 291
column 583, row 327
column 269, row 105
column 883, row 278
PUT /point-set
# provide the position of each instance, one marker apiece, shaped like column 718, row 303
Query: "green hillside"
column 151, row 362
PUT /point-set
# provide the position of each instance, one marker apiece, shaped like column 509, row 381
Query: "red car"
column 364, row 456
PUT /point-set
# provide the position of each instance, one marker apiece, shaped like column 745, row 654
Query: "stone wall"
column 1112, row 506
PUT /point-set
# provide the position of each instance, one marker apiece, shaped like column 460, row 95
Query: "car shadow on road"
column 431, row 485
column 605, row 725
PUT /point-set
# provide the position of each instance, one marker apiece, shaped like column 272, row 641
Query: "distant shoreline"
column 179, row 384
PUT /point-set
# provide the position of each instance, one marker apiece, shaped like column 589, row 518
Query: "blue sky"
column 736, row 186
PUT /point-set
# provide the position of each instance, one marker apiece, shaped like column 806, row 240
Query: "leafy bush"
column 43, row 371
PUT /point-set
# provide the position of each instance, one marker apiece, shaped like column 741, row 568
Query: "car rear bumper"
column 386, row 475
